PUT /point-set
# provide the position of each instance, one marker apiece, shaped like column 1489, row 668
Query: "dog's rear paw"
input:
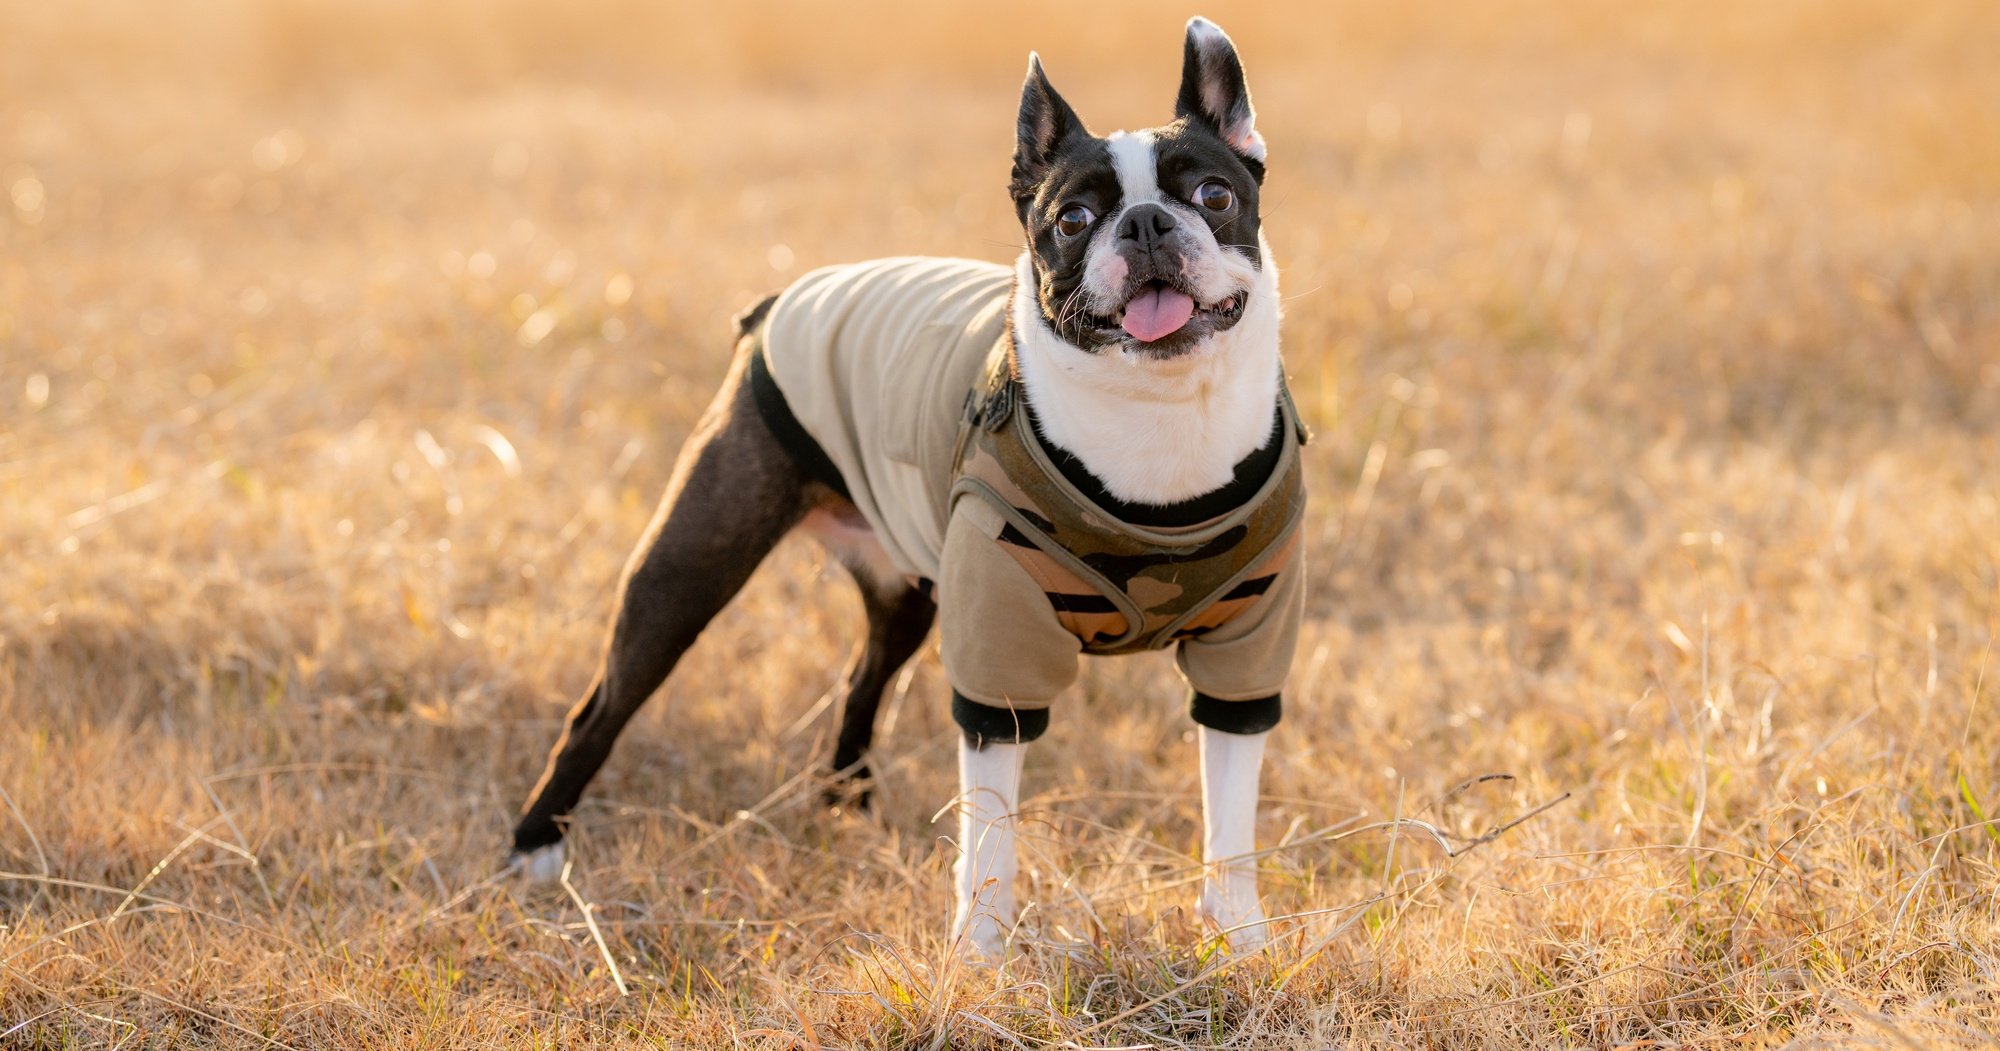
column 848, row 790
column 541, row 865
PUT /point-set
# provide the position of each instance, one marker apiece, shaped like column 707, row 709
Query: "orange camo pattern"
column 1173, row 580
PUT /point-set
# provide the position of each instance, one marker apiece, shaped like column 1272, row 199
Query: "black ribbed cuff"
column 1237, row 717
column 985, row 724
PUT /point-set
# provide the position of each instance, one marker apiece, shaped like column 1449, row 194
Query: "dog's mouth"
column 1162, row 319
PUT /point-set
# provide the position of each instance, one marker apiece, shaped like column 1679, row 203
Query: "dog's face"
column 1144, row 243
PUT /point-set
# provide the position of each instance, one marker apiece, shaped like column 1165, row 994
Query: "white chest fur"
column 1155, row 432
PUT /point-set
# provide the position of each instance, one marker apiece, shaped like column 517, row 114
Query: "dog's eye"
column 1214, row 196
column 1074, row 220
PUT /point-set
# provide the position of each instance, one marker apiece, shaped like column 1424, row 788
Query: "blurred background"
column 1653, row 350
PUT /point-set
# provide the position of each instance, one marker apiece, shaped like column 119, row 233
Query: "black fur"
column 734, row 493
column 1045, row 127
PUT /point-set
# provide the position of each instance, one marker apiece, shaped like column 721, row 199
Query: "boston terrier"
column 1089, row 452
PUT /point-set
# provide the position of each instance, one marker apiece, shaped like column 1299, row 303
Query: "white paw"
column 1238, row 918
column 543, row 865
column 980, row 938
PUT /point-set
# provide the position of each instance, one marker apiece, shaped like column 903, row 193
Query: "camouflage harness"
column 1121, row 588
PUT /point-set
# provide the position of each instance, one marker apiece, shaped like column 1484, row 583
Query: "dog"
column 1089, row 452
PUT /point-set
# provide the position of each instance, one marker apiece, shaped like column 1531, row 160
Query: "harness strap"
column 1119, row 587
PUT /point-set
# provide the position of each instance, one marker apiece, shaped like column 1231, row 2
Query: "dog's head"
column 1144, row 242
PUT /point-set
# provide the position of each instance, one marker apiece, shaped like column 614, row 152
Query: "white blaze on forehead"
column 1138, row 169
column 1105, row 271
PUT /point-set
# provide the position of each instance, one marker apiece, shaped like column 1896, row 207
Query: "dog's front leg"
column 989, row 779
column 1230, row 764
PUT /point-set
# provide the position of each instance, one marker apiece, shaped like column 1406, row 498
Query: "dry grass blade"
column 193, row 837
column 41, row 855
column 596, row 935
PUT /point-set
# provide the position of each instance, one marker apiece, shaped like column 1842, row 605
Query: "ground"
column 1653, row 356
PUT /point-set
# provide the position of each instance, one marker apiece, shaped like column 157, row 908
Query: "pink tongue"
column 1157, row 313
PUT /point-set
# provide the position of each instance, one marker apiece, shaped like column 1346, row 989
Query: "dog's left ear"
column 1213, row 91
column 1046, row 121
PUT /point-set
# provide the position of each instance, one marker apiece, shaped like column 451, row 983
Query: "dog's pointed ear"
column 1045, row 122
column 1213, row 91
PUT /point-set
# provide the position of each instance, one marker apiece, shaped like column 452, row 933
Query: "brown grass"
column 1655, row 357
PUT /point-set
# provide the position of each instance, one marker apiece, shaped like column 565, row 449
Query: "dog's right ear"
column 1213, row 92
column 1046, row 121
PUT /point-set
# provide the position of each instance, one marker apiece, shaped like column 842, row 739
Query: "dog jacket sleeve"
column 1002, row 643
column 1247, row 659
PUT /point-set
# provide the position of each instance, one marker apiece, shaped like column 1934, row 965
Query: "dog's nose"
column 1144, row 225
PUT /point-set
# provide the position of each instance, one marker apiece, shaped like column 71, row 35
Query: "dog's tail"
column 748, row 321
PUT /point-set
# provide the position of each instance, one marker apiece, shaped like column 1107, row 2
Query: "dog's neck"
column 1154, row 432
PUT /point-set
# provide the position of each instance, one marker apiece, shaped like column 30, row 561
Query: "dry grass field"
column 1654, row 356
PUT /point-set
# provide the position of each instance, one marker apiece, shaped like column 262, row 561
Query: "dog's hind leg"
column 734, row 493
column 899, row 617
column 899, row 614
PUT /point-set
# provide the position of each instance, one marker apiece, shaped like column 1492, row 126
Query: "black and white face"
column 1144, row 242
